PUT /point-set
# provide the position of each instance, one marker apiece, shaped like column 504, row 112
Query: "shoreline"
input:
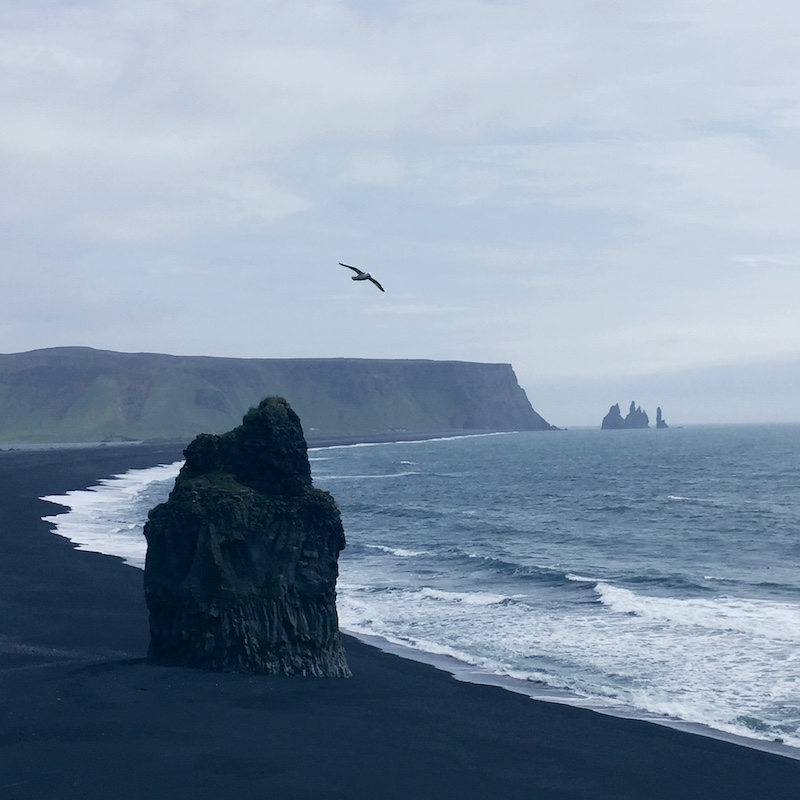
column 313, row 442
column 467, row 672
column 82, row 706
column 541, row 693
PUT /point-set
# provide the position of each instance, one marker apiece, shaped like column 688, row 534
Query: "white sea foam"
column 348, row 446
column 399, row 552
column 762, row 618
column 405, row 442
column 109, row 518
column 701, row 660
column 677, row 498
column 467, row 598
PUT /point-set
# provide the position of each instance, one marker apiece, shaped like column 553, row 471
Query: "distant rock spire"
column 660, row 422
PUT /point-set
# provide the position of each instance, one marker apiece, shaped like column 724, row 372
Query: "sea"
column 650, row 573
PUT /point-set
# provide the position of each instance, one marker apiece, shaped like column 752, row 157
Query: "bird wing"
column 355, row 269
column 376, row 283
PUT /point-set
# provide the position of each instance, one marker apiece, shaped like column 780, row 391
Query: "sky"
column 604, row 194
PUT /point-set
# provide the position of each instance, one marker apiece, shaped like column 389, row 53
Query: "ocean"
column 652, row 574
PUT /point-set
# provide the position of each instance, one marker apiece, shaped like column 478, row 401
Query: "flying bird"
column 362, row 276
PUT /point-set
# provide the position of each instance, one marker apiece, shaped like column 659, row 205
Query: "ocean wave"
column 467, row 598
column 512, row 569
column 404, row 442
column 671, row 583
column 632, row 658
column 399, row 552
column 402, row 474
column 677, row 498
column 408, row 597
column 755, row 617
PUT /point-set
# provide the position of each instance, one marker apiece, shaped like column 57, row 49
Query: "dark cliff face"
column 242, row 559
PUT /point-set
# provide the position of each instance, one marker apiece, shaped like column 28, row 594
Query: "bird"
column 362, row 276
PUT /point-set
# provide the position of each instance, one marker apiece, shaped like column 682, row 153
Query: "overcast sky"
column 604, row 194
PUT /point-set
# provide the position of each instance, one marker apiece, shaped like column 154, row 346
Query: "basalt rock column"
column 242, row 559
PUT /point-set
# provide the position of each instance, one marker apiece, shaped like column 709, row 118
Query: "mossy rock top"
column 267, row 452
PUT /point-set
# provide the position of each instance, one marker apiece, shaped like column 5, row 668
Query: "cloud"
column 581, row 188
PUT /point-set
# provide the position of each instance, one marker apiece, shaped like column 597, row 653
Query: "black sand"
column 83, row 715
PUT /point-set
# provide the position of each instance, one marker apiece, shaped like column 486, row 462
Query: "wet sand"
column 84, row 715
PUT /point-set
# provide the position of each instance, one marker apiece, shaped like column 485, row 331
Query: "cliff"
column 242, row 559
column 76, row 394
column 636, row 418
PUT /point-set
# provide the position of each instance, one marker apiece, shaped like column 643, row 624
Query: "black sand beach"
column 83, row 715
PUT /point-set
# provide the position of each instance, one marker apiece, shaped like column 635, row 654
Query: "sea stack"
column 242, row 559
column 636, row 418
column 661, row 423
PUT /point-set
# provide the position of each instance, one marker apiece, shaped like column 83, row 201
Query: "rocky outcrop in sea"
column 636, row 418
column 242, row 559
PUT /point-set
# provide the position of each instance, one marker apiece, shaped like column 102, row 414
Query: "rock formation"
column 242, row 558
column 636, row 418
column 661, row 423
column 613, row 420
